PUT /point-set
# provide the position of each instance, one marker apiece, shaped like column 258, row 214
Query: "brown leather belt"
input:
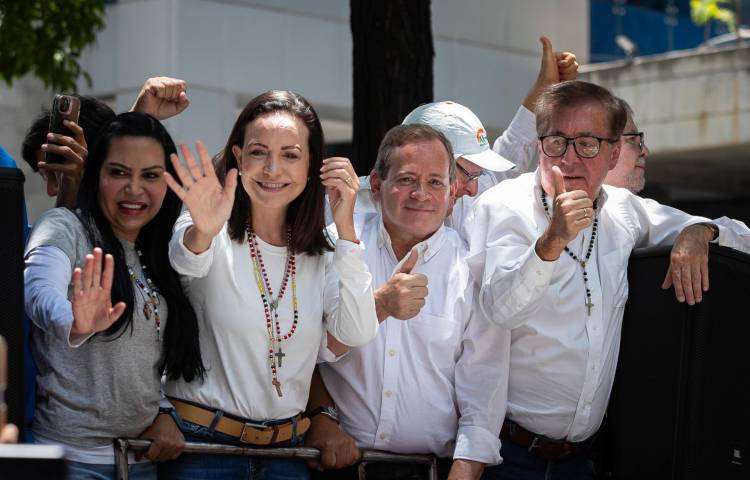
column 246, row 432
column 542, row 447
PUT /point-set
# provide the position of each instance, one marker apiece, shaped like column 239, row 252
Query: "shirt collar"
column 427, row 248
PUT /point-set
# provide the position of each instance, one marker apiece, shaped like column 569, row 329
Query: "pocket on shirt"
column 437, row 338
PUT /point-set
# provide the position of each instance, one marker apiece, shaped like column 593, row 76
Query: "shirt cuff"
column 349, row 259
column 187, row 262
column 477, row 444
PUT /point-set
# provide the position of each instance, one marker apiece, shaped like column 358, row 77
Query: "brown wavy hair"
column 306, row 213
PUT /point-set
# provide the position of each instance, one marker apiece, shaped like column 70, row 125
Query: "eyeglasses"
column 641, row 139
column 585, row 146
column 469, row 176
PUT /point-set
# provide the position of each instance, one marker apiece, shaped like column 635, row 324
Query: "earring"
column 239, row 173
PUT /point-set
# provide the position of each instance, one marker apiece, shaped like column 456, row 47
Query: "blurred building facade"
column 486, row 56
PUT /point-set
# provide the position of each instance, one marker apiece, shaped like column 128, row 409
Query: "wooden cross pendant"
column 280, row 356
column 589, row 304
column 277, row 384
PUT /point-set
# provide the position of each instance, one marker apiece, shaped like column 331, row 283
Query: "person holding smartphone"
column 110, row 316
column 58, row 141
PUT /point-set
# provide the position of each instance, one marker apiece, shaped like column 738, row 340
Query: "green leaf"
column 46, row 38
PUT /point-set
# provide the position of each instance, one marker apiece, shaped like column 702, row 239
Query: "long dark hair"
column 306, row 213
column 181, row 348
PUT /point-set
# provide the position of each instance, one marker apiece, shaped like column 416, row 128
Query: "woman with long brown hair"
column 267, row 283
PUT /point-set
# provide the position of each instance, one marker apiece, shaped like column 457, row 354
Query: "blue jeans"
column 519, row 464
column 196, row 466
column 93, row 471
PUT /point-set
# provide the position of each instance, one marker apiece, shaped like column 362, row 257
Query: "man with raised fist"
column 428, row 383
column 550, row 250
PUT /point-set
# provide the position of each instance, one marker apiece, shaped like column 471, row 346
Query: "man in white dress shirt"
column 478, row 166
column 551, row 249
column 428, row 384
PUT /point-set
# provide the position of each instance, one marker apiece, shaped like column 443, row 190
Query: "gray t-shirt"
column 106, row 387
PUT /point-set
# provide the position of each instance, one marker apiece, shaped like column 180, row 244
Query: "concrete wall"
column 694, row 107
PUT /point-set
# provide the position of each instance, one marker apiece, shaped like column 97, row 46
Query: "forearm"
column 196, row 241
column 67, row 194
column 549, row 248
column 465, row 469
column 350, row 307
column 319, row 396
column 380, row 309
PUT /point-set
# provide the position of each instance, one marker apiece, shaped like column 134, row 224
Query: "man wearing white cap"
column 480, row 167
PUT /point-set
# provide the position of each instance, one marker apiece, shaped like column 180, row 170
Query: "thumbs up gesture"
column 555, row 67
column 571, row 213
column 403, row 295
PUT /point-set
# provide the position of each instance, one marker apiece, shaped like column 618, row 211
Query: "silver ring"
column 348, row 181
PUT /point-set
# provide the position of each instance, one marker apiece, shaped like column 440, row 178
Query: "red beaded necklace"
column 271, row 305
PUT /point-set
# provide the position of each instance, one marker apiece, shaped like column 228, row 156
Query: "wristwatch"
column 329, row 412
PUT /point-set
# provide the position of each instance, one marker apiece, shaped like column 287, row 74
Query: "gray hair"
column 575, row 93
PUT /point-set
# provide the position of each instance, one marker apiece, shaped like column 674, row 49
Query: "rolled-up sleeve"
column 481, row 381
column 349, row 305
column 518, row 143
column 182, row 259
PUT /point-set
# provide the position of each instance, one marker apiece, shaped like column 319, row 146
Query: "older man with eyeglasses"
column 550, row 250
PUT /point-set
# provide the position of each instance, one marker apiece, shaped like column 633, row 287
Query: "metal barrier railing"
column 123, row 445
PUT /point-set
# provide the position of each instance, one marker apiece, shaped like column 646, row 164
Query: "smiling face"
column 274, row 160
column 131, row 184
column 415, row 196
column 585, row 174
column 630, row 171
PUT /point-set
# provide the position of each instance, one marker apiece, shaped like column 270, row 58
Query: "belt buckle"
column 256, row 433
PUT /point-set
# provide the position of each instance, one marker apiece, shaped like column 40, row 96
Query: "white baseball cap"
column 463, row 130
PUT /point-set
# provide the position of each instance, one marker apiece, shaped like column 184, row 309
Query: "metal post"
column 432, row 474
column 123, row 445
column 121, row 458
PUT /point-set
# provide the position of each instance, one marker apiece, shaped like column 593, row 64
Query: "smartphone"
column 64, row 107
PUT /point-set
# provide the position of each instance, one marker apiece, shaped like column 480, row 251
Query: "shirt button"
column 391, row 353
column 388, row 393
column 382, row 435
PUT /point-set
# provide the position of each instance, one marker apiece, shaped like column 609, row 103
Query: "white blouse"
column 334, row 293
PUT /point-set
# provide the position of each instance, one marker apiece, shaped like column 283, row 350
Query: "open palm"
column 92, row 295
column 209, row 203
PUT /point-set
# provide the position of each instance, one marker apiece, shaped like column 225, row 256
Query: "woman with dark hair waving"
column 266, row 283
column 101, row 338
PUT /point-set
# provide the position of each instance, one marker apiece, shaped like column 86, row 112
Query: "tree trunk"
column 392, row 65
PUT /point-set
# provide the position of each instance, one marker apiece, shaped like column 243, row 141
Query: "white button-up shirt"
column 428, row 384
column 562, row 360
column 334, row 295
